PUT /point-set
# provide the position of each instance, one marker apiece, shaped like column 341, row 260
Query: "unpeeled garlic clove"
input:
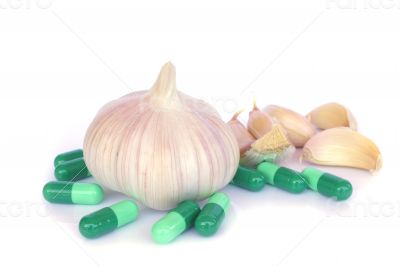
column 298, row 128
column 342, row 146
column 332, row 115
column 259, row 123
column 273, row 146
column 243, row 136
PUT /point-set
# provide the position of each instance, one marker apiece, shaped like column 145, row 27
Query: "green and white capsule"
column 248, row 178
column 327, row 184
column 175, row 222
column 68, row 156
column 72, row 170
column 108, row 219
column 73, row 193
column 213, row 213
column 282, row 177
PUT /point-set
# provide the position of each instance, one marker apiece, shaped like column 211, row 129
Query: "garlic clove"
column 298, row 128
column 259, row 123
column 342, row 146
column 332, row 115
column 243, row 136
column 273, row 146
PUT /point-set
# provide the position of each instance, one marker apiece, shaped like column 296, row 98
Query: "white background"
column 60, row 61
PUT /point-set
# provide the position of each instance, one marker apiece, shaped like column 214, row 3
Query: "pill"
column 73, row 193
column 282, row 177
column 108, row 219
column 212, row 214
column 327, row 184
column 175, row 222
column 72, row 170
column 67, row 156
column 248, row 178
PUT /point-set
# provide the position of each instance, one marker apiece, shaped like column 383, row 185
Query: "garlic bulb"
column 161, row 146
column 332, row 115
column 298, row 128
column 342, row 146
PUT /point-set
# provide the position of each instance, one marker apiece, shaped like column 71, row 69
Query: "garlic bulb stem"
column 163, row 94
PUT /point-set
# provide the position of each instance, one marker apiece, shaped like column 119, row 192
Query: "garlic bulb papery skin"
column 161, row 146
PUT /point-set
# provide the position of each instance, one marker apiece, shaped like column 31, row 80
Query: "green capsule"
column 108, row 219
column 282, row 177
column 72, row 170
column 175, row 222
column 249, row 179
column 73, row 193
column 212, row 214
column 68, row 156
column 327, row 184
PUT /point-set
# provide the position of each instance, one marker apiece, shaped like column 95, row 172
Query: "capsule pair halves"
column 206, row 221
column 268, row 173
column 70, row 166
column 292, row 181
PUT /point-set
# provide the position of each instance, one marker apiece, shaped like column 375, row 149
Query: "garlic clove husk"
column 342, row 146
column 243, row 136
column 299, row 130
column 272, row 147
column 161, row 146
column 332, row 115
column 259, row 123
